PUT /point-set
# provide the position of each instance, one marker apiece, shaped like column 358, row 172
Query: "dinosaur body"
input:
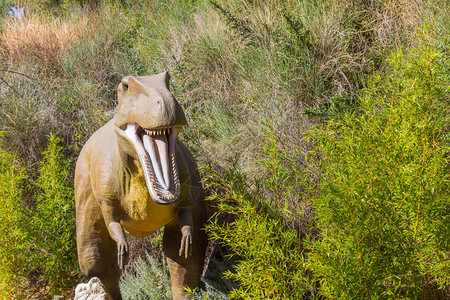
column 134, row 175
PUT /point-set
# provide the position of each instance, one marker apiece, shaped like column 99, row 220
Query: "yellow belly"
column 143, row 215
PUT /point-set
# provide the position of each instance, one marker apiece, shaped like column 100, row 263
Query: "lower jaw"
column 161, row 195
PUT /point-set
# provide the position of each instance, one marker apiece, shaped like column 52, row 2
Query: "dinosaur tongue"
column 157, row 149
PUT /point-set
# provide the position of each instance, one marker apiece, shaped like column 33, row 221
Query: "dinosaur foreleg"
column 185, row 271
column 116, row 232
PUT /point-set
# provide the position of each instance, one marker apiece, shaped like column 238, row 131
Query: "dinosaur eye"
column 124, row 87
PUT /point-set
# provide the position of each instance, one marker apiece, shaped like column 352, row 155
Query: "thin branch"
column 11, row 87
column 19, row 73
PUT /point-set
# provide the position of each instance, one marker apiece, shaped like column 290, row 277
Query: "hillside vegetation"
column 321, row 129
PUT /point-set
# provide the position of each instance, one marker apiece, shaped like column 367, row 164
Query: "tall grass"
column 234, row 64
column 40, row 40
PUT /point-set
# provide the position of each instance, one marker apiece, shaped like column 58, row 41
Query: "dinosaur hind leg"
column 97, row 252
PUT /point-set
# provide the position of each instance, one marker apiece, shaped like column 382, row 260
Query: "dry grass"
column 58, row 59
column 399, row 16
column 42, row 40
column 350, row 37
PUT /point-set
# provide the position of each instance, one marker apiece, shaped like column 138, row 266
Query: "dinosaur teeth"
column 163, row 131
column 150, row 132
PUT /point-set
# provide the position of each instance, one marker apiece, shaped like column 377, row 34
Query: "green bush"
column 272, row 264
column 384, row 208
column 54, row 219
column 39, row 239
column 14, row 240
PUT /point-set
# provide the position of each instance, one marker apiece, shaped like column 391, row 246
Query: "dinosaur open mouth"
column 156, row 150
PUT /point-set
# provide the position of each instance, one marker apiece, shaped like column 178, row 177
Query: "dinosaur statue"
column 134, row 175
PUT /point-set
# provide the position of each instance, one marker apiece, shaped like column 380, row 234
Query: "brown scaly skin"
column 112, row 192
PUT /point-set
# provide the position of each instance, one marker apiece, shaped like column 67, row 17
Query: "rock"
column 93, row 290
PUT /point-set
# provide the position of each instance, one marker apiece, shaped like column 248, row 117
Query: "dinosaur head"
column 147, row 124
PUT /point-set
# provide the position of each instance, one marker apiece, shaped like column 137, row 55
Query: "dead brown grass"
column 41, row 40
column 351, row 36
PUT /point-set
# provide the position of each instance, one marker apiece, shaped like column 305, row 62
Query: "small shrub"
column 54, row 219
column 14, row 240
column 152, row 280
column 39, row 239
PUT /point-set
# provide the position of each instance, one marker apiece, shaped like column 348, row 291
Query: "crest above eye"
column 131, row 84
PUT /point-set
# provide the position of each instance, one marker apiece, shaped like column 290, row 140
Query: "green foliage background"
column 322, row 127
column 39, row 236
column 13, row 254
column 53, row 217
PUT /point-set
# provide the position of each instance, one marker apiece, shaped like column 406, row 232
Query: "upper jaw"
column 161, row 130
column 156, row 151
column 150, row 125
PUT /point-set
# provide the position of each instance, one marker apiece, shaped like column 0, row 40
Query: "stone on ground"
column 93, row 290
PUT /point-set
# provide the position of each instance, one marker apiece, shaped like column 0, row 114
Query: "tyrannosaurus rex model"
column 134, row 174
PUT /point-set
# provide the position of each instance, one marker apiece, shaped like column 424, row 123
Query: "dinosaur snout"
column 155, row 111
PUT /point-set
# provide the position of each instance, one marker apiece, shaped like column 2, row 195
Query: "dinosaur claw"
column 186, row 242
